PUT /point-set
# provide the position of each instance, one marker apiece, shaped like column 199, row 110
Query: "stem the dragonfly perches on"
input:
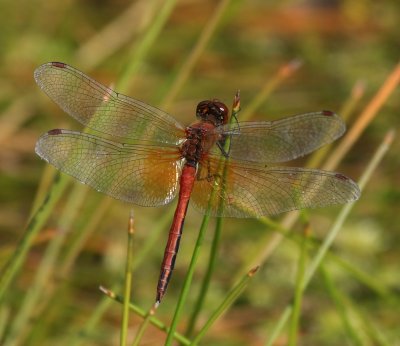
column 189, row 275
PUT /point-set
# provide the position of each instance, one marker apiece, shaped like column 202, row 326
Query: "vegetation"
column 325, row 276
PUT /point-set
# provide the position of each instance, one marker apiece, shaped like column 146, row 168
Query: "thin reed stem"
column 337, row 155
column 207, row 278
column 187, row 67
column 77, row 243
column 225, row 304
column 44, row 274
column 271, row 85
column 143, row 47
column 105, row 304
column 217, row 233
column 298, row 295
column 4, row 317
column 341, row 307
column 128, row 283
column 132, row 21
column 189, row 276
column 140, row 312
column 143, row 327
column 80, row 337
column 345, row 112
column 188, row 281
column 365, row 118
column 34, row 226
column 345, row 211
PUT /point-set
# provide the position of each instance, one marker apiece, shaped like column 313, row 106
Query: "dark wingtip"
column 356, row 193
column 55, row 132
column 328, row 113
column 58, row 64
column 44, row 69
column 341, row 177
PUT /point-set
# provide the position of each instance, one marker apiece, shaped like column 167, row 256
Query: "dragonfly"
column 140, row 154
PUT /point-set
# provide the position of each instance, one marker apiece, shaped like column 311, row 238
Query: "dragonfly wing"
column 251, row 190
column 104, row 110
column 133, row 173
column 282, row 140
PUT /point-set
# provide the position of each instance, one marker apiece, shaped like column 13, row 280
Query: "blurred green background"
column 346, row 49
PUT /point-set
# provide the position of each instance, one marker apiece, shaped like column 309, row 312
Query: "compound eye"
column 223, row 110
column 202, row 108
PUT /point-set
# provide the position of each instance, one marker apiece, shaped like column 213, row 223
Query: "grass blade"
column 188, row 280
column 207, row 278
column 143, row 327
column 271, row 84
column 140, row 312
column 217, row 234
column 149, row 38
column 128, row 283
column 298, row 295
column 366, row 116
column 34, row 226
column 189, row 63
column 226, row 303
column 200, row 238
column 341, row 307
column 377, row 157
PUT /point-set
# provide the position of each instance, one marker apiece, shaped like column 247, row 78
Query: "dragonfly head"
column 212, row 111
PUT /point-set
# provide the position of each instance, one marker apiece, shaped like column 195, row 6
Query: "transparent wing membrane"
column 282, row 140
column 146, row 167
column 137, row 174
column 104, row 110
column 251, row 190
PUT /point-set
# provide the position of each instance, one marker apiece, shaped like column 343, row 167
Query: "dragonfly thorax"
column 198, row 142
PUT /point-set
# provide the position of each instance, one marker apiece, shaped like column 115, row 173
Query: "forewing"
column 282, row 140
column 133, row 173
column 250, row 190
column 104, row 110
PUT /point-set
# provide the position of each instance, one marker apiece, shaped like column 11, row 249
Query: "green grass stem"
column 378, row 338
column 142, row 48
column 345, row 112
column 152, row 240
column 105, row 304
column 298, row 295
column 187, row 66
column 225, row 304
column 4, row 317
column 188, row 280
column 142, row 313
column 333, row 232
column 269, row 87
column 217, row 235
column 207, row 278
column 33, row 228
column 115, row 35
column 189, row 276
column 81, row 337
column 277, row 330
column 341, row 307
column 365, row 118
column 362, row 276
column 345, row 211
column 128, row 283
column 137, row 57
column 80, row 238
column 143, row 327
column 37, row 295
